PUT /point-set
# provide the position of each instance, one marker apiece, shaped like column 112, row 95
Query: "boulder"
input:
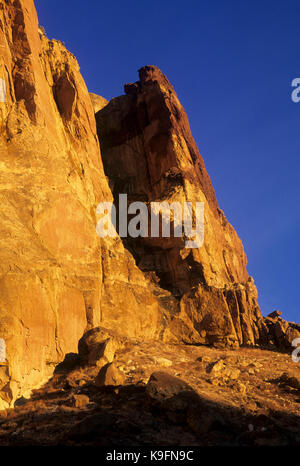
column 99, row 345
column 221, row 370
column 169, row 392
column 109, row 375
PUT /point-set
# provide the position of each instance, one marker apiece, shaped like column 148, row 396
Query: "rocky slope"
column 149, row 153
column 169, row 395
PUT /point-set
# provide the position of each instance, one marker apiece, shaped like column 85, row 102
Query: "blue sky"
column 232, row 64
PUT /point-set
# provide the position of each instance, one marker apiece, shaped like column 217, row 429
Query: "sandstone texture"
column 107, row 313
column 57, row 279
column 98, row 102
column 149, row 154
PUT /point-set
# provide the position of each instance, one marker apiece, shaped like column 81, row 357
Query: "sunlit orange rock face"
column 149, row 153
column 57, row 279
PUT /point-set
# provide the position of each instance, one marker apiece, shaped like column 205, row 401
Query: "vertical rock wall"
column 57, row 278
column 149, row 153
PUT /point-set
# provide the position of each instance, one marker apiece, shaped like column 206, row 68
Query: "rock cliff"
column 149, row 153
column 57, row 279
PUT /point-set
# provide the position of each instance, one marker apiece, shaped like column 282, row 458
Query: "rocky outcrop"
column 149, row 153
column 282, row 334
column 57, row 279
column 98, row 102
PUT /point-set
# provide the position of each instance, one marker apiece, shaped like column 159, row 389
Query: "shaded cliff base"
column 118, row 391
